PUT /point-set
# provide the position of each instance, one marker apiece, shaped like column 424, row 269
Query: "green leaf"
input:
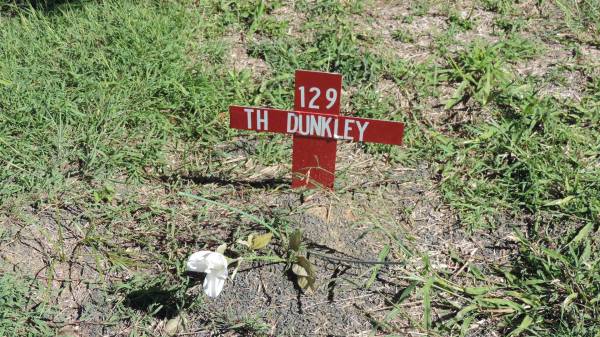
column 403, row 296
column 525, row 323
column 522, row 297
column 299, row 270
column 478, row 290
column 382, row 255
column 568, row 300
column 583, row 233
column 305, row 282
column 534, row 281
column 260, row 241
column 105, row 194
column 426, row 291
column 446, row 285
column 559, row 202
column 555, row 254
column 500, row 303
column 587, row 253
column 295, row 240
column 406, row 292
column 464, row 311
column 464, row 328
column 221, row 249
column 457, row 96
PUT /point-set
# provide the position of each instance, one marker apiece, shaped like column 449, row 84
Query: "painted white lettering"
column 315, row 128
column 249, row 117
column 325, row 126
column 361, row 130
column 347, row 129
column 292, row 117
column 336, row 124
column 264, row 120
column 303, row 127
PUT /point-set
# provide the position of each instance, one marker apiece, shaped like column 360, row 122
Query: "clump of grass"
column 508, row 24
column 403, row 36
column 582, row 18
column 463, row 23
column 251, row 16
column 84, row 93
column 519, row 161
column 550, row 290
column 328, row 43
column 20, row 314
column 420, row 8
column 481, row 69
column 559, row 280
column 480, row 72
column 99, row 90
column 498, row 6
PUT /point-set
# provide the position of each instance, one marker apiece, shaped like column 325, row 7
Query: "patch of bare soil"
column 294, row 19
column 47, row 245
column 239, row 59
column 483, row 26
column 376, row 205
column 384, row 19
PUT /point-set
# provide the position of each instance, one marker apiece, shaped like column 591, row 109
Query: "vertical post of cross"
column 313, row 159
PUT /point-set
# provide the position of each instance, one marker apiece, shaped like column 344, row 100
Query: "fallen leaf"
column 299, row 270
column 302, row 282
column 221, row 249
column 306, row 282
column 295, row 240
column 68, row 331
column 260, row 241
column 173, row 326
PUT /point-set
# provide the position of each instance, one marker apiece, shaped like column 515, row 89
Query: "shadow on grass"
column 202, row 180
column 13, row 7
column 159, row 302
column 156, row 296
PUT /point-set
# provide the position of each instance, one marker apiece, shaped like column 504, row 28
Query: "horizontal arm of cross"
column 318, row 125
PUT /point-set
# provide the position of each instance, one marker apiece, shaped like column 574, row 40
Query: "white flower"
column 214, row 265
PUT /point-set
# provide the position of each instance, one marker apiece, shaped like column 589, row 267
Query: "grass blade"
column 427, row 302
column 233, row 209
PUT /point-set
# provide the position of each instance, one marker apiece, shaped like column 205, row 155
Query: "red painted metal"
column 313, row 160
column 316, row 125
column 373, row 130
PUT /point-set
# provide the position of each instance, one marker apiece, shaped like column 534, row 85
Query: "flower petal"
column 198, row 261
column 213, row 284
column 214, row 265
column 216, row 262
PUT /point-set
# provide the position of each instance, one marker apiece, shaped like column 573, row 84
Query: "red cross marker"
column 316, row 124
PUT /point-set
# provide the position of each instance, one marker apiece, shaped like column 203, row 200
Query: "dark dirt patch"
column 381, row 205
column 375, row 205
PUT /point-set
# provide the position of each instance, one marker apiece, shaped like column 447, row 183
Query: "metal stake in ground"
column 316, row 125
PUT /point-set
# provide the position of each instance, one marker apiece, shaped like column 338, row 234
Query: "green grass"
column 582, row 19
column 97, row 92
column 83, row 92
column 20, row 315
column 99, row 96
